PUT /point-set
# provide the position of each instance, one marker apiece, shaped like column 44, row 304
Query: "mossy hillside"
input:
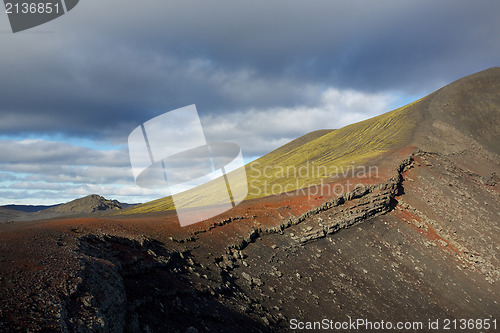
column 304, row 164
column 338, row 150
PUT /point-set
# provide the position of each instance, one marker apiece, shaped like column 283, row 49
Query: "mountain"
column 463, row 111
column 413, row 239
column 90, row 204
column 86, row 205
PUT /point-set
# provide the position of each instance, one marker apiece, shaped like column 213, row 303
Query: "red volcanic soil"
column 256, row 213
column 251, row 214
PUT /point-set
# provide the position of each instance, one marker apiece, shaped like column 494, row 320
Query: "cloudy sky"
column 260, row 73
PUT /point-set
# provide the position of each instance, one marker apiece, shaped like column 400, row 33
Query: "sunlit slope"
column 193, row 198
column 333, row 153
column 310, row 159
column 294, row 144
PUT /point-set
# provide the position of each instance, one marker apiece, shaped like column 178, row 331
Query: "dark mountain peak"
column 461, row 113
column 96, row 197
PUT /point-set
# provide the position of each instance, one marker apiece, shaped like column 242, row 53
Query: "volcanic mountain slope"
column 414, row 240
column 168, row 204
column 321, row 155
column 447, row 113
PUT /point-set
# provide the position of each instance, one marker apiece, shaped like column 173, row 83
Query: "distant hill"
column 8, row 214
column 28, row 208
column 91, row 204
column 124, row 205
column 86, row 205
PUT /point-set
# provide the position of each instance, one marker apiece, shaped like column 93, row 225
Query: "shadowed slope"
column 467, row 109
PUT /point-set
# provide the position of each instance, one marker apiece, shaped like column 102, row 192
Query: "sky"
column 261, row 73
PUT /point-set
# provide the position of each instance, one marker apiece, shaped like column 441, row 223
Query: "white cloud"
column 58, row 153
column 58, row 171
column 43, row 172
column 259, row 131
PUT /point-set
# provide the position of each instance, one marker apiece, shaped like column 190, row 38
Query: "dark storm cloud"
column 109, row 66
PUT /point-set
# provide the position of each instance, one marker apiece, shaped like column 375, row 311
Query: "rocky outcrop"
column 138, row 285
column 361, row 204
